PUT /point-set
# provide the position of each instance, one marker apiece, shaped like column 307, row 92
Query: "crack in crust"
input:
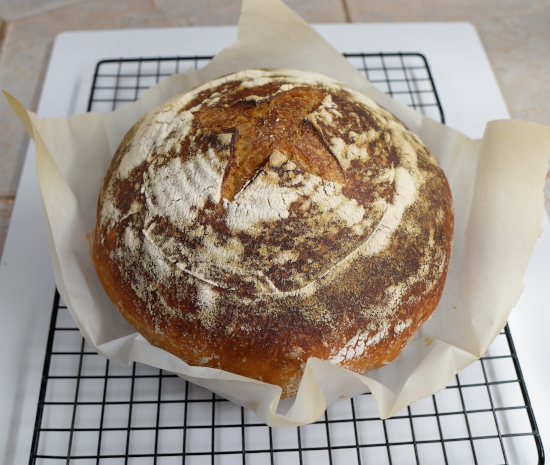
column 278, row 120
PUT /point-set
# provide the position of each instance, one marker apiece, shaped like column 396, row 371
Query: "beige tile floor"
column 515, row 33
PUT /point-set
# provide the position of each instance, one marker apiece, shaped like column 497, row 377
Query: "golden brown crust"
column 271, row 216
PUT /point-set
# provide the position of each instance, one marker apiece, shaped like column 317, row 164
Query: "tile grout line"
column 346, row 11
column 3, row 31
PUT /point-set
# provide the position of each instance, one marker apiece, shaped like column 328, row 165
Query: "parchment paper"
column 497, row 185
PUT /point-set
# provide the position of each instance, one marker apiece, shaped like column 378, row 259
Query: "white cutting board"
column 469, row 95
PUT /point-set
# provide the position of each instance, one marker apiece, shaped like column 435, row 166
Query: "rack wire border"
column 49, row 352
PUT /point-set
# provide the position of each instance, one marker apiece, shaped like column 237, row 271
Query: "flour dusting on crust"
column 329, row 242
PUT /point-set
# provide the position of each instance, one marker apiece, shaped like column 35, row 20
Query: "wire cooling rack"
column 404, row 76
column 92, row 411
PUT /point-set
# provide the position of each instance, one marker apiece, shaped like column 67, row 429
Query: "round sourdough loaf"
column 270, row 216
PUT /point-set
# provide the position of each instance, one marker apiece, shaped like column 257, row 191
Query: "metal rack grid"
column 404, row 76
column 93, row 411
